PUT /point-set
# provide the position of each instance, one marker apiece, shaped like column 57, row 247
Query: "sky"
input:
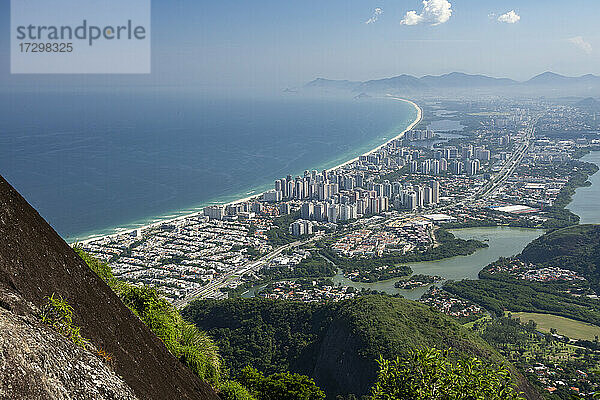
column 279, row 44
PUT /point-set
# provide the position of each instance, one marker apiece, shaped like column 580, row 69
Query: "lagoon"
column 502, row 242
column 586, row 199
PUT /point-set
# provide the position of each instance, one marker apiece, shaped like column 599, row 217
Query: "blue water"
column 92, row 163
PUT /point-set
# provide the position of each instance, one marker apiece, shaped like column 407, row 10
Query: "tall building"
column 348, row 212
column 435, row 191
column 256, row 207
column 378, row 189
column 301, row 227
column 361, row 206
column 273, row 196
column 414, row 167
column 411, row 201
column 482, row 154
column 473, row 167
column 214, row 212
column 450, row 152
column 385, row 203
column 307, row 211
column 387, row 189
column 320, row 212
column 457, row 167
column 467, row 152
column 426, row 167
column 284, row 208
column 299, row 189
column 443, row 165
column 360, row 179
column 419, row 196
column 333, row 213
column 435, row 167
column 427, row 196
column 374, row 205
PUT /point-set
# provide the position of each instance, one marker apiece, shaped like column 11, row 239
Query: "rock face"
column 36, row 363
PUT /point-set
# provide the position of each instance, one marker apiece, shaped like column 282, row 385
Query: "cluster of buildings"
column 375, row 242
column 289, row 259
column 528, row 272
column 555, row 379
column 316, row 292
column 417, row 281
column 463, row 160
column 415, row 135
column 449, row 305
column 341, row 196
column 550, row 274
column 180, row 256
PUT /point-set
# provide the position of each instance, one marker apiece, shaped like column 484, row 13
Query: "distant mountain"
column 402, row 82
column 321, row 83
column 362, row 96
column 453, row 80
column 458, row 79
column 550, row 78
column 589, row 104
column 410, row 83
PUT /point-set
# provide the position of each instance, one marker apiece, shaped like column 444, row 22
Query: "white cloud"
column 435, row 12
column 378, row 11
column 582, row 44
column 510, row 17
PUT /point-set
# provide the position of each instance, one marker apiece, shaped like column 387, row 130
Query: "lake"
column 585, row 201
column 502, row 242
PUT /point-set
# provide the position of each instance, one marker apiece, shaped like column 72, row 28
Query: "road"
column 253, row 266
column 510, row 166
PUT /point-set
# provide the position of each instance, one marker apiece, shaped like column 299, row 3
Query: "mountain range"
column 455, row 80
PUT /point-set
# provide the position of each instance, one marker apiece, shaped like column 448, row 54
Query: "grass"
column 59, row 314
column 564, row 326
column 469, row 325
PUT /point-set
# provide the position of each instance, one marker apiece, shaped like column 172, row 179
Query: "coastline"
column 117, row 232
column 400, row 135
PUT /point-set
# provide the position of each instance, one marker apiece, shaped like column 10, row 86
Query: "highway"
column 253, row 266
column 509, row 166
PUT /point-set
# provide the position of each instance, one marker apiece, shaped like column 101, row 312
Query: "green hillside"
column 336, row 343
column 576, row 248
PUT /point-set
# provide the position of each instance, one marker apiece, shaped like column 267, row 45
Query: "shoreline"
column 410, row 127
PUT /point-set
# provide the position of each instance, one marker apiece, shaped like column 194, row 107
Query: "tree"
column 429, row 374
column 282, row 386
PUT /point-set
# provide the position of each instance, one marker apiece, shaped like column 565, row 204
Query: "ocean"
column 95, row 163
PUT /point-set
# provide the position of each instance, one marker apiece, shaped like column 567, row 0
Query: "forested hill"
column 336, row 343
column 576, row 248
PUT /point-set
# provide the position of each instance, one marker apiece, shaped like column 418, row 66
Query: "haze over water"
column 91, row 163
